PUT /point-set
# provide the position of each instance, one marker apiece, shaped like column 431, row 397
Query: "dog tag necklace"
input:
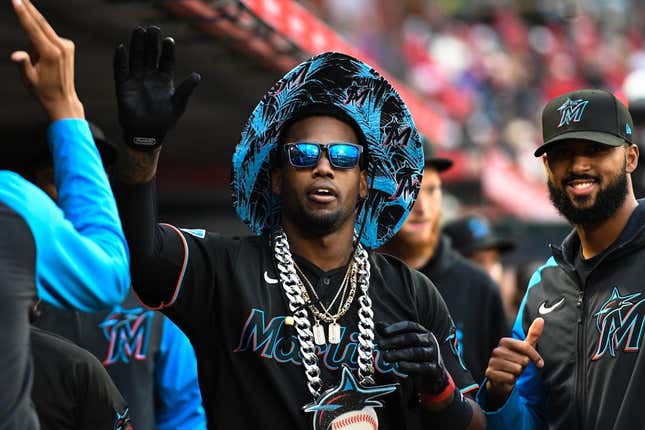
column 363, row 391
column 346, row 299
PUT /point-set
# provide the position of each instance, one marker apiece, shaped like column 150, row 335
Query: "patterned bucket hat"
column 395, row 152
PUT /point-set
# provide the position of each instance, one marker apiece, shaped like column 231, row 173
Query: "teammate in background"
column 474, row 238
column 283, row 323
column 471, row 295
column 149, row 359
column 82, row 256
column 574, row 360
column 71, row 388
column 55, row 252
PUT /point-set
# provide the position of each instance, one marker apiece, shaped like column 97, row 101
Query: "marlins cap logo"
column 571, row 111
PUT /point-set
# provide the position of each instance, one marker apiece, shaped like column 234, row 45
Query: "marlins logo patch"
column 620, row 324
column 127, row 332
column 349, row 405
column 571, row 111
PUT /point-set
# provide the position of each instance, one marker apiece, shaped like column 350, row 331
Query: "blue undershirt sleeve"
column 177, row 387
column 81, row 253
column 525, row 408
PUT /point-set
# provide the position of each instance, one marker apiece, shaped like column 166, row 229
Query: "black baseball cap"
column 474, row 233
column 594, row 115
column 26, row 147
column 430, row 159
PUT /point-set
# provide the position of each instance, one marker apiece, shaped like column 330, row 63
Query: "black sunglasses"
column 306, row 154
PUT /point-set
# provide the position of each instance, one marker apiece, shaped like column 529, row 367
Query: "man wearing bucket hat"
column 284, row 323
column 580, row 325
column 471, row 295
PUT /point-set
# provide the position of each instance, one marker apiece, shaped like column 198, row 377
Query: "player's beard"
column 435, row 233
column 414, row 243
column 608, row 200
column 318, row 222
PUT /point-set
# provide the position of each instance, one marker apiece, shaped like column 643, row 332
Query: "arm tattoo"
column 136, row 167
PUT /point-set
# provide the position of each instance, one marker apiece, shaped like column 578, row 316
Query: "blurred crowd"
column 490, row 68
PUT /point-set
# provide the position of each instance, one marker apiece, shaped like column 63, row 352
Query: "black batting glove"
column 149, row 104
column 415, row 350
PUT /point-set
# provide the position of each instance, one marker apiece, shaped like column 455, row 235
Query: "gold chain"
column 325, row 315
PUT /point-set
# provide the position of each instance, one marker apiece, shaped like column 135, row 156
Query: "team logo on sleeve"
column 123, row 420
column 620, row 324
column 571, row 111
column 456, row 342
column 127, row 332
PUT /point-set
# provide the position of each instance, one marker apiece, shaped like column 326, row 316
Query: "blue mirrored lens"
column 343, row 156
column 304, row 154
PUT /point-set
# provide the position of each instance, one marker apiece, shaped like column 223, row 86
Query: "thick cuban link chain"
column 291, row 285
column 365, row 320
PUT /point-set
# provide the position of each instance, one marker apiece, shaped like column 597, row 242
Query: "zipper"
column 580, row 361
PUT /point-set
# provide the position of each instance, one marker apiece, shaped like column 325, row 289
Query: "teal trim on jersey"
column 469, row 388
column 179, row 404
column 525, row 408
column 82, row 259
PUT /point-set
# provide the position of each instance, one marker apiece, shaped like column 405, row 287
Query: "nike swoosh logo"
column 544, row 309
column 268, row 279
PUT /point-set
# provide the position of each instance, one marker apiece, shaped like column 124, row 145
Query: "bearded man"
column 573, row 361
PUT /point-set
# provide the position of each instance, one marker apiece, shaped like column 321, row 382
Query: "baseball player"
column 284, row 323
column 574, row 359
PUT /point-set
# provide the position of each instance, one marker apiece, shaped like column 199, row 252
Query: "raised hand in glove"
column 149, row 104
column 416, row 352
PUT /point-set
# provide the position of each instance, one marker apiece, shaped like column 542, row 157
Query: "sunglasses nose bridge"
column 324, row 160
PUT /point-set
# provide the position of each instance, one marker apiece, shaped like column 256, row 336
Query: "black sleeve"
column 156, row 254
column 434, row 316
column 72, row 389
column 17, row 292
column 103, row 407
column 172, row 269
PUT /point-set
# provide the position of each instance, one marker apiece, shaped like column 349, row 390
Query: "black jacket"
column 593, row 376
column 71, row 388
column 474, row 302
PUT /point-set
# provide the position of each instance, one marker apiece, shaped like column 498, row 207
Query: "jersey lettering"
column 270, row 341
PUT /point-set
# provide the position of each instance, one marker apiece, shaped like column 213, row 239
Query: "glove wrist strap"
column 456, row 415
column 142, row 143
column 433, row 399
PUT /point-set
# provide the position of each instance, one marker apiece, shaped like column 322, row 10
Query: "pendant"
column 349, row 405
column 319, row 334
column 334, row 333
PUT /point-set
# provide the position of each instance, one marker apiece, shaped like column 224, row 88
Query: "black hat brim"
column 502, row 245
column 591, row 136
column 439, row 164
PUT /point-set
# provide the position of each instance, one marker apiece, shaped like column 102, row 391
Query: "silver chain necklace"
column 291, row 286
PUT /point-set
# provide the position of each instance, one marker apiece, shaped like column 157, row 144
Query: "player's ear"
column 631, row 158
column 363, row 184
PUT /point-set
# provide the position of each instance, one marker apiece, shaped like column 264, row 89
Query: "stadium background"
column 475, row 75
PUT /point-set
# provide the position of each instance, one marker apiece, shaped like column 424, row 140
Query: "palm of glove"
column 416, row 352
column 149, row 105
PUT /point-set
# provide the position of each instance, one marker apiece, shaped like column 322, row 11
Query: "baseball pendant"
column 334, row 333
column 349, row 406
column 319, row 334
